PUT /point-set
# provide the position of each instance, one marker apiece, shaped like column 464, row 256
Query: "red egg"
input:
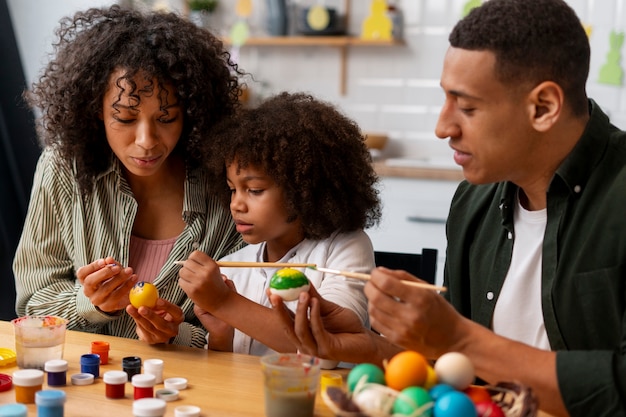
column 489, row 409
column 477, row 394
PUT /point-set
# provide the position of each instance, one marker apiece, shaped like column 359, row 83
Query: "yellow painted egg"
column 143, row 294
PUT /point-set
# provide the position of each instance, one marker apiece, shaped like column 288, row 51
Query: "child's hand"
column 220, row 333
column 202, row 281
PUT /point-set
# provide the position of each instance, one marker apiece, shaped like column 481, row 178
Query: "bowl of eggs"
column 409, row 386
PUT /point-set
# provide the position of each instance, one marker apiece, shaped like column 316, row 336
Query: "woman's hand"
column 158, row 324
column 107, row 284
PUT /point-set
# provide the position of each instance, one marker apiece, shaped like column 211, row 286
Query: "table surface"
column 220, row 383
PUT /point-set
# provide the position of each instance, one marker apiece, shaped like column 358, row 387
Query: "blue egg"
column 371, row 372
column 440, row 389
column 454, row 404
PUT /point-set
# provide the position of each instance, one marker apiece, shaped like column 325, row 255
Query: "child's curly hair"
column 315, row 153
column 162, row 46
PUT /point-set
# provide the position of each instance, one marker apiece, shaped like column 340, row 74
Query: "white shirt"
column 345, row 251
column 518, row 314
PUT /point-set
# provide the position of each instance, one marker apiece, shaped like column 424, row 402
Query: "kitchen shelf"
column 343, row 43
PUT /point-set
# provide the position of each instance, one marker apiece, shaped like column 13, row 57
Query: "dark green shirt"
column 583, row 271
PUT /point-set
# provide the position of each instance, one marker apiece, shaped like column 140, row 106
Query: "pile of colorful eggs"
column 409, row 386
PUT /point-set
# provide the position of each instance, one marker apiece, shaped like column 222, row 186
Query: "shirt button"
column 577, row 188
column 489, row 296
column 510, row 235
column 195, row 245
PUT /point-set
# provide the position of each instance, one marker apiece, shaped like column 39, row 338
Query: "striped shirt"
column 63, row 233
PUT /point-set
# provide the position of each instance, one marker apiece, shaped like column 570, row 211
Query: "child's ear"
column 546, row 101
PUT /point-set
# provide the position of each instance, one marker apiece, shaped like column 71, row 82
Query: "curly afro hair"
column 161, row 46
column 533, row 41
column 312, row 151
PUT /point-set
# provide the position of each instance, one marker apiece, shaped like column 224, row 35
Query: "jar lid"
column 7, row 357
column 90, row 359
column 99, row 345
column 143, row 380
column 153, row 364
column 13, row 410
column 82, row 379
column 50, row 397
column 187, row 411
column 5, row 382
column 175, row 383
column 115, row 377
column 131, row 361
column 149, row 407
column 167, row 394
column 28, row 377
column 55, row 365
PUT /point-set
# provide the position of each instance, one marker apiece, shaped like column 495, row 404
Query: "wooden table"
column 221, row 384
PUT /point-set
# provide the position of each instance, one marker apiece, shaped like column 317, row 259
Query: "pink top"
column 147, row 257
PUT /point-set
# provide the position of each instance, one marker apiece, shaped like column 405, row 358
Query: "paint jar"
column 57, row 372
column 143, row 386
column 115, row 384
column 187, row 411
column 13, row 410
column 149, row 407
column 154, row 367
column 90, row 364
column 27, row 382
column 50, row 403
column 131, row 365
column 82, row 379
column 101, row 348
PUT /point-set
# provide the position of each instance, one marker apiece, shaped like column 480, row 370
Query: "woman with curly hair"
column 119, row 193
column 301, row 189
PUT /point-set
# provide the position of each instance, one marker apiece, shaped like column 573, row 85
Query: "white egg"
column 290, row 294
column 374, row 399
column 455, row 369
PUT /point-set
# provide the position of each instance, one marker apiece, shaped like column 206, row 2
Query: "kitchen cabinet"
column 414, row 216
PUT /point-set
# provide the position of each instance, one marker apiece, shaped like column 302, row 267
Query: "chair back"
column 422, row 265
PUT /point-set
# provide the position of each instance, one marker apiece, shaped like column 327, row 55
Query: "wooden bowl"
column 375, row 140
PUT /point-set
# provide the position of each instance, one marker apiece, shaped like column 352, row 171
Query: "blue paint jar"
column 132, row 366
column 57, row 372
column 90, row 364
column 13, row 410
column 50, row 403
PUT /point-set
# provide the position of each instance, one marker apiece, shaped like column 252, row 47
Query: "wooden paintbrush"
column 365, row 277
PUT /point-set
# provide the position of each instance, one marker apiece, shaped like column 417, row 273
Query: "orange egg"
column 406, row 369
column 477, row 394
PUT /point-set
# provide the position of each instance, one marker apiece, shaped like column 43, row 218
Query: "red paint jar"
column 115, row 384
column 143, row 386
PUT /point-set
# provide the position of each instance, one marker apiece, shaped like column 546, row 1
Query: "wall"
column 394, row 90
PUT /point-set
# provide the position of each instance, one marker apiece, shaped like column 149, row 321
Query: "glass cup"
column 291, row 381
column 38, row 339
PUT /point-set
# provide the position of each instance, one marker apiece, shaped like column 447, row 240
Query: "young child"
column 301, row 189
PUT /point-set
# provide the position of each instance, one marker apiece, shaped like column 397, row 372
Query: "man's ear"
column 546, row 101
